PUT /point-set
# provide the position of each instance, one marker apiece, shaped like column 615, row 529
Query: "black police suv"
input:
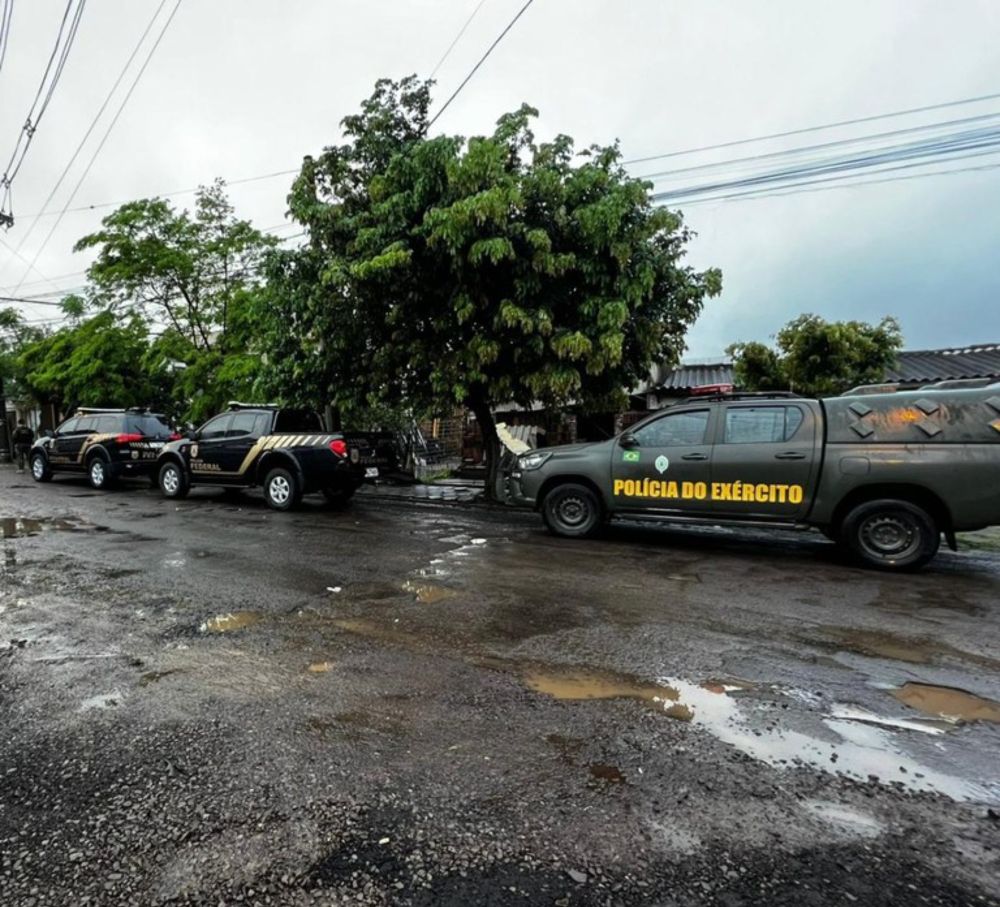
column 105, row 444
column 288, row 452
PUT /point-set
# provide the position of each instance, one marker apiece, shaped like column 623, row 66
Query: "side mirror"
column 193, row 434
column 48, row 433
column 628, row 441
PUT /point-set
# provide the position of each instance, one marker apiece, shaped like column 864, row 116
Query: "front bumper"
column 520, row 488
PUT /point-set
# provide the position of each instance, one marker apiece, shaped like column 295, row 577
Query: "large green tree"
column 192, row 277
column 817, row 357
column 481, row 271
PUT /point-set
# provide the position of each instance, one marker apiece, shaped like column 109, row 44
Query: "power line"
column 172, row 194
column 5, row 19
column 458, row 38
column 93, row 123
column 107, row 133
column 43, row 96
column 807, row 129
column 482, row 60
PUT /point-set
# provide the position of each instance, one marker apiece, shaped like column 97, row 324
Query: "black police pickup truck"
column 106, row 444
column 288, row 452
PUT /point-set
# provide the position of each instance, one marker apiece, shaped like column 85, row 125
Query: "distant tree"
column 479, row 272
column 194, row 276
column 97, row 362
column 819, row 358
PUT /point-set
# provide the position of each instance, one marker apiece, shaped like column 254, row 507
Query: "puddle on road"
column 581, row 685
column 923, row 725
column 608, row 773
column 155, row 676
column 858, row 750
column 844, row 818
column 22, row 527
column 227, row 623
column 320, row 667
column 428, row 593
column 102, row 701
column 949, row 703
column 883, row 644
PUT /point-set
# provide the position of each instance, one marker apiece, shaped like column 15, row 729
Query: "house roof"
column 979, row 361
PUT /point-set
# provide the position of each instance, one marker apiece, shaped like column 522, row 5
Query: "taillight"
column 173, row 436
column 339, row 447
column 129, row 439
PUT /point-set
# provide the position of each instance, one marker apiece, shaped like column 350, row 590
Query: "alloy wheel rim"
column 37, row 467
column 97, row 472
column 279, row 489
column 170, row 481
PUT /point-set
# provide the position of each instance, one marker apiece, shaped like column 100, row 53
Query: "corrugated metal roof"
column 686, row 377
column 980, row 361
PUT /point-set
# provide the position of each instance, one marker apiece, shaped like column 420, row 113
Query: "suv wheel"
column 99, row 473
column 572, row 511
column 891, row 535
column 40, row 469
column 281, row 490
column 173, row 481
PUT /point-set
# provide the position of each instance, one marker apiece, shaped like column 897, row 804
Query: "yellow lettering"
column 795, row 494
column 700, row 491
column 687, row 490
column 619, row 486
column 763, row 494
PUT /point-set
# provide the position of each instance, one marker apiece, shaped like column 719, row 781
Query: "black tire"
column 173, row 481
column 40, row 469
column 281, row 489
column 891, row 535
column 572, row 511
column 99, row 473
column 340, row 495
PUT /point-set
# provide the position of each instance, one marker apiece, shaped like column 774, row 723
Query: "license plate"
column 156, row 445
column 371, row 472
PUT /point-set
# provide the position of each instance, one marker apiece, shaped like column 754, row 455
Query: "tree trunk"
column 491, row 447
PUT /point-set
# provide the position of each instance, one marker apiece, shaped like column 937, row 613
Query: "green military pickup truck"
column 883, row 474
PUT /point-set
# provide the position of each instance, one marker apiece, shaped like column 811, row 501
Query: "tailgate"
column 372, row 449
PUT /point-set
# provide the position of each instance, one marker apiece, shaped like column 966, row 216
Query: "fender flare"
column 279, row 458
column 96, row 450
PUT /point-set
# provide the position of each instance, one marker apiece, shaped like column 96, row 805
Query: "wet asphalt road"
column 211, row 703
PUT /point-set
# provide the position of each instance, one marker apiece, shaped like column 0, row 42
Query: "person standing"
column 24, row 437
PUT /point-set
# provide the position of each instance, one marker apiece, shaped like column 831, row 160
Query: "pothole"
column 228, row 623
column 949, row 703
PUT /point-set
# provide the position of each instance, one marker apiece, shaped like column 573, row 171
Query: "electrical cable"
column 104, row 138
column 780, row 135
column 458, row 38
column 482, row 60
column 93, row 124
column 46, row 88
column 6, row 16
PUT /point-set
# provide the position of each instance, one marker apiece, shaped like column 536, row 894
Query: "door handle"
column 695, row 456
column 790, row 455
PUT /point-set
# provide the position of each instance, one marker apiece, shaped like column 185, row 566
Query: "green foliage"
column 15, row 335
column 192, row 272
column 819, row 358
column 98, row 362
column 445, row 271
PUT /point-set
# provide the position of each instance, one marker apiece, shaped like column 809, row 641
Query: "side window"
column 86, row 424
column 68, row 427
column 243, row 424
column 263, row 424
column 215, row 428
column 109, row 425
column 762, row 424
column 677, row 430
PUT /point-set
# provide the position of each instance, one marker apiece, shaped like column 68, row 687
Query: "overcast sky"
column 240, row 88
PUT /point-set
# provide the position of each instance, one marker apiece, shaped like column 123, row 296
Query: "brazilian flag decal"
column 631, row 456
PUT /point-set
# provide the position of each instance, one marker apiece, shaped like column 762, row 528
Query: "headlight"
column 532, row 460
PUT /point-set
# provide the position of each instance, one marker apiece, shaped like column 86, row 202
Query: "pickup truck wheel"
column 40, row 469
column 572, row 511
column 891, row 535
column 173, row 482
column 281, row 490
column 99, row 473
